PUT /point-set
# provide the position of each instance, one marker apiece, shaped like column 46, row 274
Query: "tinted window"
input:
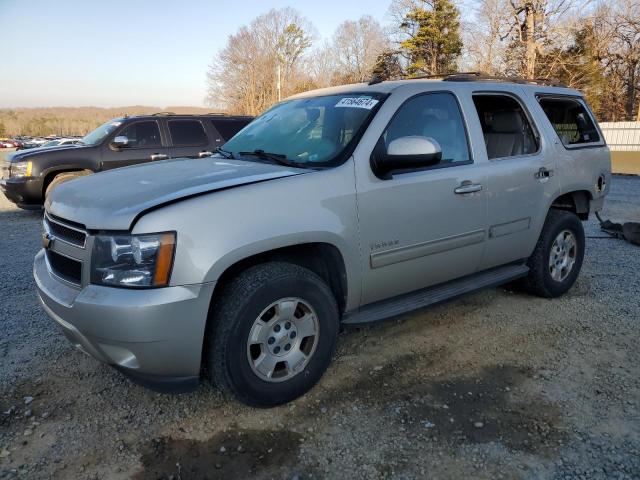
column 187, row 132
column 142, row 135
column 436, row 116
column 506, row 128
column 570, row 120
column 228, row 128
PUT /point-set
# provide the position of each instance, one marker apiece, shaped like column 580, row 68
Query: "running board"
column 433, row 295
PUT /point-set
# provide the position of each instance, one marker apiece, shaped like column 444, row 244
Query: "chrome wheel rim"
column 283, row 339
column 562, row 256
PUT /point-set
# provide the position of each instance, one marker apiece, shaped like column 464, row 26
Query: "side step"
column 433, row 295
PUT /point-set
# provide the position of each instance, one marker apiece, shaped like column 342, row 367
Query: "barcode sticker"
column 357, row 102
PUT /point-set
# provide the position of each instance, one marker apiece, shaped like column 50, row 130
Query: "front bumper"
column 155, row 336
column 24, row 192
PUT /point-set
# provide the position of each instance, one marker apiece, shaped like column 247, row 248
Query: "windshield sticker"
column 357, row 102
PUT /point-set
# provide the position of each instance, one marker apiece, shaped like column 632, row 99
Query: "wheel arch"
column 324, row 259
column 51, row 174
column 576, row 201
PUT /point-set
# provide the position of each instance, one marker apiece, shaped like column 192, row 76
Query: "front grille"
column 65, row 231
column 64, row 267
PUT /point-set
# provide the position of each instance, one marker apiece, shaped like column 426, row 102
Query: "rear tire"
column 557, row 258
column 274, row 331
column 61, row 178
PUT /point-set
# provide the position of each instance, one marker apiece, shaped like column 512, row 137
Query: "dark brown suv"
column 29, row 175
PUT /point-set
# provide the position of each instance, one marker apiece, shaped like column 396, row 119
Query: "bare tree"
column 357, row 45
column 625, row 51
column 242, row 78
column 484, row 37
column 321, row 66
column 533, row 26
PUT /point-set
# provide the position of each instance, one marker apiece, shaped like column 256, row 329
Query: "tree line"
column 70, row 121
column 591, row 45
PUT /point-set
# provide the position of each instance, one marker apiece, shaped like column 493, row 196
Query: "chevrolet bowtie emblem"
column 47, row 240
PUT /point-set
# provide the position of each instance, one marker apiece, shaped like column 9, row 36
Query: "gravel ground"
column 495, row 385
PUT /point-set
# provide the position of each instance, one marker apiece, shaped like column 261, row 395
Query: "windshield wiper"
column 278, row 158
column 224, row 153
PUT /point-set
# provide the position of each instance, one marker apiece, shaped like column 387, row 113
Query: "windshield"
column 101, row 132
column 51, row 143
column 311, row 132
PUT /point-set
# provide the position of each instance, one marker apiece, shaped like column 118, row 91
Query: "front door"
column 144, row 145
column 424, row 227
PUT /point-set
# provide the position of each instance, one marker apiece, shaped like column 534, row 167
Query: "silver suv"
column 340, row 206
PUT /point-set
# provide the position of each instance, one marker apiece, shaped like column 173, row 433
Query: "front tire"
column 274, row 331
column 557, row 258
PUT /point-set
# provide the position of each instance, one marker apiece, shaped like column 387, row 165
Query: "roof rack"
column 484, row 77
column 159, row 114
column 479, row 77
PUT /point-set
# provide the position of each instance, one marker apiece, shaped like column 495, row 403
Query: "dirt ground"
column 495, row 385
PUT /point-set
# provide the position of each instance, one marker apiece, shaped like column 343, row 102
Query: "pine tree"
column 432, row 44
column 387, row 66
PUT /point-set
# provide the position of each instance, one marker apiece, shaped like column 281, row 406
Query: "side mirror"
column 406, row 153
column 121, row 141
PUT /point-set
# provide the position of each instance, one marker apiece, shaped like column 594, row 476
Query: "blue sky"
column 132, row 52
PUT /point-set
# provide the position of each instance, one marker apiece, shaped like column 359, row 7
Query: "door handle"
column 467, row 187
column 204, row 154
column 158, row 156
column 543, row 173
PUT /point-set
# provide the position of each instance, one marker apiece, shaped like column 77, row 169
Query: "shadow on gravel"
column 488, row 407
column 238, row 454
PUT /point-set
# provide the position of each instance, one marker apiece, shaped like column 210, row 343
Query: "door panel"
column 416, row 231
column 145, row 145
column 520, row 182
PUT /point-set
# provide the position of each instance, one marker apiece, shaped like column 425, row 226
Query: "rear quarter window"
column 228, row 128
column 571, row 121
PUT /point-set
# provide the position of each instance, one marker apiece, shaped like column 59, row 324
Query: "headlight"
column 133, row 260
column 20, row 169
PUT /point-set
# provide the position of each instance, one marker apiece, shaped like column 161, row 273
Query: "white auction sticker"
column 357, row 102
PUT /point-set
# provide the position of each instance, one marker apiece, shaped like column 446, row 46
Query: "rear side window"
column 143, row 135
column 570, row 120
column 228, row 128
column 433, row 115
column 187, row 132
column 506, row 128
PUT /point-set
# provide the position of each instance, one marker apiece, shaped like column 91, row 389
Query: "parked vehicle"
column 61, row 141
column 8, row 143
column 32, row 143
column 347, row 205
column 29, row 176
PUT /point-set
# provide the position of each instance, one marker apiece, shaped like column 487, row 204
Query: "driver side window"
column 436, row 116
column 143, row 135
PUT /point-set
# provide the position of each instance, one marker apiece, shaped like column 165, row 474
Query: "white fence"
column 622, row 136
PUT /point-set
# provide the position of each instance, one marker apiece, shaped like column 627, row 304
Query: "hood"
column 113, row 200
column 25, row 154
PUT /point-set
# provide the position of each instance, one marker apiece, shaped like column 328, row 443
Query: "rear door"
column 145, row 145
column 188, row 138
column 521, row 179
